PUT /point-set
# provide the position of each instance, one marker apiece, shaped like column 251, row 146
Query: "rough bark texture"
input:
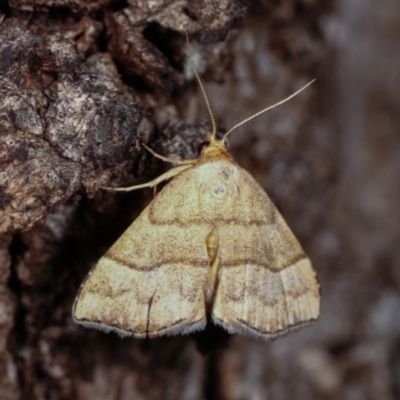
column 74, row 82
column 63, row 121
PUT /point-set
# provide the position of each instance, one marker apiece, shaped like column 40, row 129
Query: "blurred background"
column 329, row 159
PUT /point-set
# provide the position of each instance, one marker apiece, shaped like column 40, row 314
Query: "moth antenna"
column 265, row 110
column 200, row 83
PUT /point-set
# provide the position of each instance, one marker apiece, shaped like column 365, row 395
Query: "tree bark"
column 83, row 84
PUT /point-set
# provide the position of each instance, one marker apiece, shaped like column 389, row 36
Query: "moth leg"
column 171, row 160
column 167, row 175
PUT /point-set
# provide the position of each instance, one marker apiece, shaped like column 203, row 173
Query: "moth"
column 211, row 242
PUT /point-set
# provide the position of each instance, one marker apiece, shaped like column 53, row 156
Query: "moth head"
column 211, row 146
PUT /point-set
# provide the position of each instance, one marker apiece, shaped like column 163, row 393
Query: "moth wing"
column 152, row 281
column 266, row 284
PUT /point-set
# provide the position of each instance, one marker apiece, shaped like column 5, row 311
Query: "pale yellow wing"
column 266, row 284
column 153, row 281
column 210, row 234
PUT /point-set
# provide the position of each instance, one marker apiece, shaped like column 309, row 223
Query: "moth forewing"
column 266, row 283
column 210, row 239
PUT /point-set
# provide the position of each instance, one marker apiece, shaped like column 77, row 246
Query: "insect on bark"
column 210, row 241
